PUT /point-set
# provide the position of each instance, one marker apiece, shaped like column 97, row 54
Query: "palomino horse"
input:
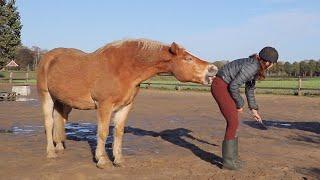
column 107, row 80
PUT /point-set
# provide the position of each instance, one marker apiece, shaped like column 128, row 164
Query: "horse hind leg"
column 119, row 120
column 47, row 108
column 60, row 115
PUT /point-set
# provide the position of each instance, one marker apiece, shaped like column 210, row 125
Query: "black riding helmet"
column 269, row 54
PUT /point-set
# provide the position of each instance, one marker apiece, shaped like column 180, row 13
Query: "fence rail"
column 196, row 85
column 288, row 85
column 17, row 77
column 298, row 86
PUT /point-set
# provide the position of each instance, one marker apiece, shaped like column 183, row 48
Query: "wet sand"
column 169, row 135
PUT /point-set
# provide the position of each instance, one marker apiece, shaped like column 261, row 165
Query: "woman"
column 225, row 90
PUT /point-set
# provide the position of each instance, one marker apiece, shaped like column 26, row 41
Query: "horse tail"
column 60, row 114
column 42, row 72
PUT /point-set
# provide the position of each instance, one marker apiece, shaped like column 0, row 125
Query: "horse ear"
column 175, row 48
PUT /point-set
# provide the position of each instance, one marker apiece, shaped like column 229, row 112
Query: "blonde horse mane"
column 144, row 44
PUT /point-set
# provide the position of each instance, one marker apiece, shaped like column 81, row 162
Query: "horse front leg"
column 119, row 120
column 104, row 113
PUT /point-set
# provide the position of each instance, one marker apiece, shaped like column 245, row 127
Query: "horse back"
column 64, row 73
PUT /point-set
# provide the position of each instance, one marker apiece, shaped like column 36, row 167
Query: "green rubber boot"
column 229, row 155
column 238, row 161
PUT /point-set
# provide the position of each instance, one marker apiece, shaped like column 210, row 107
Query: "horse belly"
column 71, row 92
column 74, row 100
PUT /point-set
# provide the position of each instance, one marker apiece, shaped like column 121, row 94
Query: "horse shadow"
column 87, row 132
column 176, row 137
column 313, row 172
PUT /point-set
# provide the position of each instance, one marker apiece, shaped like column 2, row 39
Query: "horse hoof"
column 103, row 163
column 59, row 147
column 118, row 164
column 52, row 155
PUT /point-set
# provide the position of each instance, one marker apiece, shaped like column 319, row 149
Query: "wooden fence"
column 24, row 77
column 298, row 89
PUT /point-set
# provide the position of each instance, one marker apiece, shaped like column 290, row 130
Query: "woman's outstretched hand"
column 256, row 115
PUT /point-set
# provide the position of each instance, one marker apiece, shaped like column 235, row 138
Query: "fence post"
column 299, row 86
column 177, row 87
column 10, row 77
column 27, row 77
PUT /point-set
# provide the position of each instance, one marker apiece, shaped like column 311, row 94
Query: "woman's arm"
column 249, row 90
column 250, row 87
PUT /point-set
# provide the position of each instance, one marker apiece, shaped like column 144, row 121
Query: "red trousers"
column 220, row 92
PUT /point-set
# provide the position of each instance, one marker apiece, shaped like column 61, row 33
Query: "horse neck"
column 143, row 72
column 139, row 70
column 138, row 65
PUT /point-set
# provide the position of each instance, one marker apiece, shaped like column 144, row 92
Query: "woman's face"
column 269, row 65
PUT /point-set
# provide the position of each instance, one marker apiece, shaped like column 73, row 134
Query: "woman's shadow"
column 87, row 132
column 313, row 126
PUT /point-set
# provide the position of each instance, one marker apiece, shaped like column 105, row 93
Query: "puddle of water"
column 85, row 132
column 279, row 124
column 312, row 126
column 70, row 133
column 26, row 129
column 74, row 131
column 24, row 99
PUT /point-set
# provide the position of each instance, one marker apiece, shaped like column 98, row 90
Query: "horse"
column 107, row 80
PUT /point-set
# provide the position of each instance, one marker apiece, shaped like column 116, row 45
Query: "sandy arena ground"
column 169, row 135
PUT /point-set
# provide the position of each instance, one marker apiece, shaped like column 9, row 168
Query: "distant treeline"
column 27, row 58
column 303, row 68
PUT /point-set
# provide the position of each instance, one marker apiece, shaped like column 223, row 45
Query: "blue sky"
column 213, row 30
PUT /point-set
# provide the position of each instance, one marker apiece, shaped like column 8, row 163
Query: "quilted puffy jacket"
column 237, row 73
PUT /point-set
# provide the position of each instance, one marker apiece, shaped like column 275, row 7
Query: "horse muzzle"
column 212, row 70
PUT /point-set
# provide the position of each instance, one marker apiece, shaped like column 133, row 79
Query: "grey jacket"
column 238, row 72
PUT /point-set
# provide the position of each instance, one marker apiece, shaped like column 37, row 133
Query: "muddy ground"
column 169, row 135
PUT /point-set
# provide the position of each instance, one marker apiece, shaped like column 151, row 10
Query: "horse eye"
column 189, row 58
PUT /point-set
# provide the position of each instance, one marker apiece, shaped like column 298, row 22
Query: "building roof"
column 12, row 64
